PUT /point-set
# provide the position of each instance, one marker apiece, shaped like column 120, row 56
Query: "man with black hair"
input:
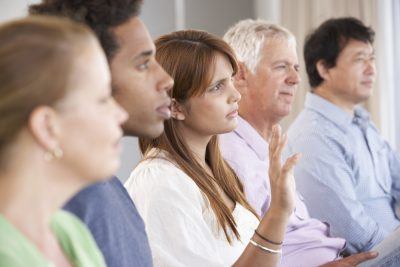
column 349, row 176
column 140, row 86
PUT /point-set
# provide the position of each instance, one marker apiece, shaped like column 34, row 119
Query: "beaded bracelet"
column 273, row 251
column 266, row 239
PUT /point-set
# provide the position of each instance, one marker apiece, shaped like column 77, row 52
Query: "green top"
column 74, row 238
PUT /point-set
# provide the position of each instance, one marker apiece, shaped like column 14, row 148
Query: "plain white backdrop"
column 299, row 16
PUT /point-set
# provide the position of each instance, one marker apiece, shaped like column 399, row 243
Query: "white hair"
column 248, row 36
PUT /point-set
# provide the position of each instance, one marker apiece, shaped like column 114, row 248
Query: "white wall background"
column 162, row 16
column 299, row 16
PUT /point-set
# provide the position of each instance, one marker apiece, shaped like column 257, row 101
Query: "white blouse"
column 181, row 226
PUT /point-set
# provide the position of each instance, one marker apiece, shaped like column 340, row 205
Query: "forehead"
column 355, row 47
column 222, row 67
column 279, row 48
column 133, row 37
column 91, row 72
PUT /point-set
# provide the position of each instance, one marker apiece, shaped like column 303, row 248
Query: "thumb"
column 290, row 163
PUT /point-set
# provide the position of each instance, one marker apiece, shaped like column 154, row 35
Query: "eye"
column 143, row 66
column 105, row 100
column 280, row 67
column 216, row 87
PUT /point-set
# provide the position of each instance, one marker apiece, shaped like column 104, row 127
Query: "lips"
column 233, row 114
column 367, row 83
column 290, row 93
column 164, row 110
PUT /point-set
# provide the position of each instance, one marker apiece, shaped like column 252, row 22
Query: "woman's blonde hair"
column 189, row 57
column 36, row 59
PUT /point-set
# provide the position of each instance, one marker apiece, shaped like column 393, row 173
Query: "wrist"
column 279, row 212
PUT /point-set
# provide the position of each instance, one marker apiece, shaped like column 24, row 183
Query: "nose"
column 165, row 82
column 120, row 113
column 235, row 95
column 294, row 76
column 370, row 68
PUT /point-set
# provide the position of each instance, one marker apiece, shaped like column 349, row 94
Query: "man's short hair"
column 247, row 37
column 328, row 40
column 100, row 15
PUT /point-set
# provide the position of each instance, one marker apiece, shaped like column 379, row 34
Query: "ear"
column 177, row 110
column 44, row 128
column 241, row 77
column 323, row 71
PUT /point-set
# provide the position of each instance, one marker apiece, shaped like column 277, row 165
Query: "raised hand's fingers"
column 356, row 259
column 289, row 164
column 274, row 162
column 280, row 147
column 274, row 140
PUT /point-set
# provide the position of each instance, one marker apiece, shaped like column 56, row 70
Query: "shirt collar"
column 330, row 111
column 252, row 138
column 361, row 113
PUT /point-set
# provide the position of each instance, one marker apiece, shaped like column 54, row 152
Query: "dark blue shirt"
column 115, row 223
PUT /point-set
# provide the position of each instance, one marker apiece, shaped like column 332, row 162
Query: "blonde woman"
column 59, row 131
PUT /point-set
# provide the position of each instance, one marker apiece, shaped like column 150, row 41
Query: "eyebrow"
column 365, row 53
column 144, row 54
column 297, row 65
column 217, row 82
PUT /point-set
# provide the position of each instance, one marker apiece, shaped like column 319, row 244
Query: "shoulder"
column 315, row 132
column 14, row 250
column 98, row 190
column 158, row 172
column 160, row 184
column 67, row 223
column 98, row 199
column 76, row 239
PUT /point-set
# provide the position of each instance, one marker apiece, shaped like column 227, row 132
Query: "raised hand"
column 283, row 186
column 352, row 260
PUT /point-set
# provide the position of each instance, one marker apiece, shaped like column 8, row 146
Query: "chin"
column 108, row 171
column 284, row 112
column 228, row 129
column 154, row 131
column 148, row 131
column 363, row 98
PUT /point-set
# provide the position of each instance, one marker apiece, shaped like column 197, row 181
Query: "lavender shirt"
column 307, row 241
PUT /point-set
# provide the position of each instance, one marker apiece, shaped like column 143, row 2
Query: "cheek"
column 90, row 146
column 89, row 129
column 204, row 114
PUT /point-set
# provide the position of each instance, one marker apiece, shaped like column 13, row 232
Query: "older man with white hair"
column 267, row 79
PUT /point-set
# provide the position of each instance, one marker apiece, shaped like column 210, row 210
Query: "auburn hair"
column 189, row 58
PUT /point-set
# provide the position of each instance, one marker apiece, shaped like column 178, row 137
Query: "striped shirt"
column 349, row 176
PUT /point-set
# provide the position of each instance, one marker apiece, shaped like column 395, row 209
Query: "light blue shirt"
column 348, row 174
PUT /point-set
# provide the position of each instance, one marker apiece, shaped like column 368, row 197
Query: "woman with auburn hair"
column 192, row 202
column 59, row 131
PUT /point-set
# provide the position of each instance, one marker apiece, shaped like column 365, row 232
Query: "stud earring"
column 55, row 153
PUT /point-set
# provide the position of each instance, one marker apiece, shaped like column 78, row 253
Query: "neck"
column 262, row 124
column 31, row 191
column 341, row 102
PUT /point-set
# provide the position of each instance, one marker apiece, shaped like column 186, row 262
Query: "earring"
column 55, row 153
column 58, row 153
